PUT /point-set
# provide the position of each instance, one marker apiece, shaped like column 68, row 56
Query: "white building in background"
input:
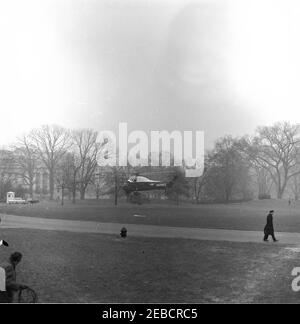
column 11, row 176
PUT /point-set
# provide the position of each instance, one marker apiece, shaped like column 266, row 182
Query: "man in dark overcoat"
column 269, row 228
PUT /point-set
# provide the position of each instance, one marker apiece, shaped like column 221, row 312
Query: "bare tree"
column 295, row 186
column 276, row 149
column 100, row 181
column 264, row 181
column 199, row 183
column 7, row 176
column 87, row 149
column 179, row 187
column 25, row 159
column 227, row 174
column 114, row 179
column 51, row 144
column 68, row 174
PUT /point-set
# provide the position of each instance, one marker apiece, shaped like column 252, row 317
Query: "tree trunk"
column 51, row 185
column 82, row 193
column 74, row 196
column 280, row 193
column 227, row 195
column 281, row 190
column 31, row 189
column 177, row 199
column 116, row 189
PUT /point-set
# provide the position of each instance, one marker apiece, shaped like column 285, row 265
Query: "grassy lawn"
column 242, row 216
column 73, row 267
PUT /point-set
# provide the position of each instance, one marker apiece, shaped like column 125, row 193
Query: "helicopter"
column 141, row 183
column 138, row 183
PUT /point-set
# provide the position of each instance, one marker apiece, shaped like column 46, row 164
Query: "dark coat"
column 269, row 228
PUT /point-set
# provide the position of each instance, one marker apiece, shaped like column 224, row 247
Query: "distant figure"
column 123, row 232
column 290, row 201
column 269, row 228
column 11, row 284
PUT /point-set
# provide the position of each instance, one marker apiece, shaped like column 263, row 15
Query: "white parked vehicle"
column 11, row 199
column 17, row 200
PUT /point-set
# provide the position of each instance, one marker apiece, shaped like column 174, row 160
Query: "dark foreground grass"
column 242, row 216
column 85, row 268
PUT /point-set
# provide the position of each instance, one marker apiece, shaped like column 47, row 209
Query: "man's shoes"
column 266, row 240
column 275, row 240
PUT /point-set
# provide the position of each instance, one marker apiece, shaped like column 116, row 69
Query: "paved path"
column 10, row 221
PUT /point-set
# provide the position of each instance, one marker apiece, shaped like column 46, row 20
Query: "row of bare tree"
column 70, row 157
column 271, row 157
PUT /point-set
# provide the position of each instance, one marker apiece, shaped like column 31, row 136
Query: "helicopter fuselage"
column 144, row 186
column 135, row 184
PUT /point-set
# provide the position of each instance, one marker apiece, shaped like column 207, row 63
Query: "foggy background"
column 224, row 67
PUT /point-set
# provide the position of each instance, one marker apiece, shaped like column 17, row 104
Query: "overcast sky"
column 224, row 67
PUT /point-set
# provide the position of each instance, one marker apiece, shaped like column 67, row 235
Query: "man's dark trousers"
column 267, row 233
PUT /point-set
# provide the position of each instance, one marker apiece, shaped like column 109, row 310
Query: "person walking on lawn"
column 269, row 228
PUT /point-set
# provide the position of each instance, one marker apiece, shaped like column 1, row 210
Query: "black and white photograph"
column 149, row 154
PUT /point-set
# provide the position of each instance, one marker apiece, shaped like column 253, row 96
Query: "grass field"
column 240, row 216
column 85, row 268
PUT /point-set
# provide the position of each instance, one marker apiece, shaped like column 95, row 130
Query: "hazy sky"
column 224, row 67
